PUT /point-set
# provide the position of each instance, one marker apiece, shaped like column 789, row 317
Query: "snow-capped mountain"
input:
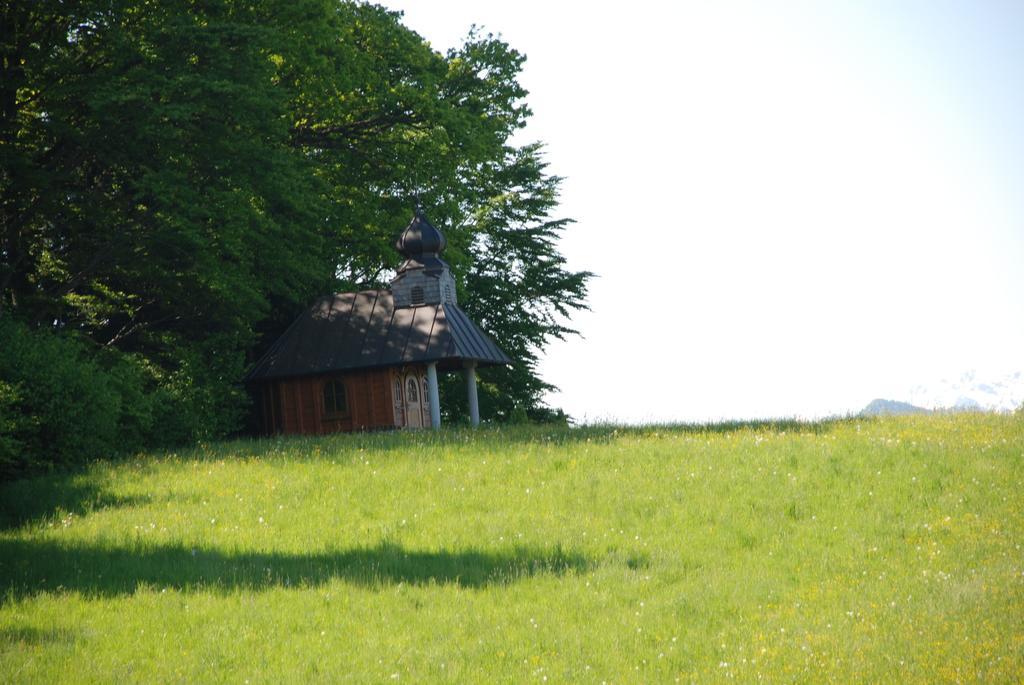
column 972, row 391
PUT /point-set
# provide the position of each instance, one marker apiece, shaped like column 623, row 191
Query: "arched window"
column 426, row 391
column 335, row 400
column 417, row 295
column 412, row 392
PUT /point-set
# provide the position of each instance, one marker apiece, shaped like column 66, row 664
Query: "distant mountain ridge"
column 973, row 391
column 880, row 407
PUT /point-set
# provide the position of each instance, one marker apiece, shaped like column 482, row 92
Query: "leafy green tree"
column 179, row 180
column 438, row 128
column 518, row 286
column 153, row 200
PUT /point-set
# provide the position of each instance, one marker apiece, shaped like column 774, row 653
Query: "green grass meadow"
column 884, row 550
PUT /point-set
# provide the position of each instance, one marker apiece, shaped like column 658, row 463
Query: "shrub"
column 199, row 399
column 63, row 403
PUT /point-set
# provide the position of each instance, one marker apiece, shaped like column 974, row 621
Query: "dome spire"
column 420, row 237
column 423, row 278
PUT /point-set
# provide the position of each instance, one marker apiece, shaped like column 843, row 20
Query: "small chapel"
column 370, row 360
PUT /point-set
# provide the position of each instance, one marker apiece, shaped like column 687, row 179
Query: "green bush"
column 63, row 403
column 199, row 399
column 12, row 425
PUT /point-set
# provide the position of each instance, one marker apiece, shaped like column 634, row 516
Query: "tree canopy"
column 180, row 179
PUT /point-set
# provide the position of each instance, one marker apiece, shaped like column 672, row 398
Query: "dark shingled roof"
column 364, row 330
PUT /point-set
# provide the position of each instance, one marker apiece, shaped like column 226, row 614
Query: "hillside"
column 862, row 550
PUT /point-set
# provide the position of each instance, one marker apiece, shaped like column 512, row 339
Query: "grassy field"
column 854, row 551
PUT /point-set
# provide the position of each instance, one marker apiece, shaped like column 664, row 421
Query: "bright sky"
column 793, row 208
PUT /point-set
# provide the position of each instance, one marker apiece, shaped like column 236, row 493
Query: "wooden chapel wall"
column 295, row 405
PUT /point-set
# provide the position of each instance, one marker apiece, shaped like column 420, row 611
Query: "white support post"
column 474, row 403
column 435, row 398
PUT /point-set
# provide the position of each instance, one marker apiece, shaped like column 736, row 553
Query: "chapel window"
column 335, row 399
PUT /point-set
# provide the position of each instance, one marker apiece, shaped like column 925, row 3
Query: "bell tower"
column 423, row 278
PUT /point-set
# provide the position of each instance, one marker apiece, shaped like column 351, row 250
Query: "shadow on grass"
column 34, row 500
column 29, row 568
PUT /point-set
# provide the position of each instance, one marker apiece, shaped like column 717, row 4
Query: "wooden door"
column 397, row 402
column 413, row 402
column 426, row 400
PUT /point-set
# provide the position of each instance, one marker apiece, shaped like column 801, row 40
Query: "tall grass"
column 880, row 550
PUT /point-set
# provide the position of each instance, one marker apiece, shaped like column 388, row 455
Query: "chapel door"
column 426, row 400
column 398, row 402
column 413, row 402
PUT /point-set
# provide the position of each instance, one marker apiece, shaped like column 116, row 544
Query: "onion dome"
column 423, row 278
column 420, row 237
